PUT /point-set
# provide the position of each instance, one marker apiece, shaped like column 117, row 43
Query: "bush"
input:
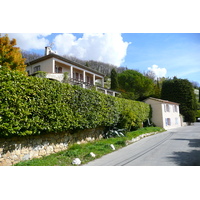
column 132, row 114
column 32, row 105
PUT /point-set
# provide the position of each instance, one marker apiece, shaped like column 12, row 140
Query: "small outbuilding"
column 165, row 113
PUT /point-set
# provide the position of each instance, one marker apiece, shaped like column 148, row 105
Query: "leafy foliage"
column 132, row 114
column 115, row 133
column 181, row 91
column 11, row 56
column 32, row 105
column 134, row 85
column 114, row 80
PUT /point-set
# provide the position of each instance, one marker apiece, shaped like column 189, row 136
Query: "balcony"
column 87, row 85
column 73, row 81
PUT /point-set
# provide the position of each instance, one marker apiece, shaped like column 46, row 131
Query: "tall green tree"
column 134, row 85
column 114, row 80
column 199, row 94
column 181, row 91
column 10, row 56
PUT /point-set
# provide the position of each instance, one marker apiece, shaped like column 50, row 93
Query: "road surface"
column 176, row 147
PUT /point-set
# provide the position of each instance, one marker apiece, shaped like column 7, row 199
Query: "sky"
column 166, row 54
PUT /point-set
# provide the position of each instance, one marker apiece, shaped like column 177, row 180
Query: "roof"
column 162, row 101
column 63, row 59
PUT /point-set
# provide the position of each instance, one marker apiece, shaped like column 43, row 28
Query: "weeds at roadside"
column 82, row 151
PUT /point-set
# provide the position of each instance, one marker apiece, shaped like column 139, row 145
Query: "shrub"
column 41, row 74
column 32, row 105
column 132, row 114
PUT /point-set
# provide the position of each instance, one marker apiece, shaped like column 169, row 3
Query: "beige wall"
column 157, row 117
column 46, row 66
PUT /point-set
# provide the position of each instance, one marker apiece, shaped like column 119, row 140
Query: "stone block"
column 26, row 157
column 33, row 154
column 15, row 157
column 7, row 155
column 57, row 150
column 6, row 162
column 21, row 156
column 25, row 151
column 17, row 152
column 42, row 152
column 57, row 145
column 88, row 139
column 49, row 150
column 65, row 144
column 38, row 147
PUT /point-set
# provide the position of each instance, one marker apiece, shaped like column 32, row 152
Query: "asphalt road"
column 176, row 147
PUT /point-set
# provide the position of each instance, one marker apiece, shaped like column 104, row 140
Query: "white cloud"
column 159, row 72
column 108, row 47
column 28, row 41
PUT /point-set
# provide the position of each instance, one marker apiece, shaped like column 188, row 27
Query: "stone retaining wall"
column 16, row 149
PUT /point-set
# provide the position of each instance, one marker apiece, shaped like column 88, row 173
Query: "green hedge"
column 32, row 105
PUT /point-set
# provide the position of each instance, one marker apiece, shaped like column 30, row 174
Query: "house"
column 56, row 66
column 165, row 113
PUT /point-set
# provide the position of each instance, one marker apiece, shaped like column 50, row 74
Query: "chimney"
column 47, row 50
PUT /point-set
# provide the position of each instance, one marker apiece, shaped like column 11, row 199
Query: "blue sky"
column 167, row 54
column 178, row 53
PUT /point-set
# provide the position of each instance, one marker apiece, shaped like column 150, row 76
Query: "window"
column 176, row 120
column 36, row 68
column 167, row 107
column 175, row 108
column 168, row 121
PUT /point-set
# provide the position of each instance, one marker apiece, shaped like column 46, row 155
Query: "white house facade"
column 165, row 113
column 55, row 66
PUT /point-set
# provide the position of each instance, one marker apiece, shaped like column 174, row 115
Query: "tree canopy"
column 181, row 91
column 114, row 80
column 11, row 56
column 134, row 85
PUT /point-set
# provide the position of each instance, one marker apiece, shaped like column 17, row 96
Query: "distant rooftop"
column 162, row 101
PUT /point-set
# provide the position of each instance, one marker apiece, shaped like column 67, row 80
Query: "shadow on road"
column 191, row 158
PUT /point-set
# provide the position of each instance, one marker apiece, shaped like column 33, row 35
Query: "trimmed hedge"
column 32, row 105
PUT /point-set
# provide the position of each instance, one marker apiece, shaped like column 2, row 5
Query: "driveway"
column 176, row 147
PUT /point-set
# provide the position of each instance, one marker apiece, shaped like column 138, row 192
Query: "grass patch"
column 82, row 151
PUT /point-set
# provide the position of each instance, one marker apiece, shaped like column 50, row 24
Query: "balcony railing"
column 81, row 83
